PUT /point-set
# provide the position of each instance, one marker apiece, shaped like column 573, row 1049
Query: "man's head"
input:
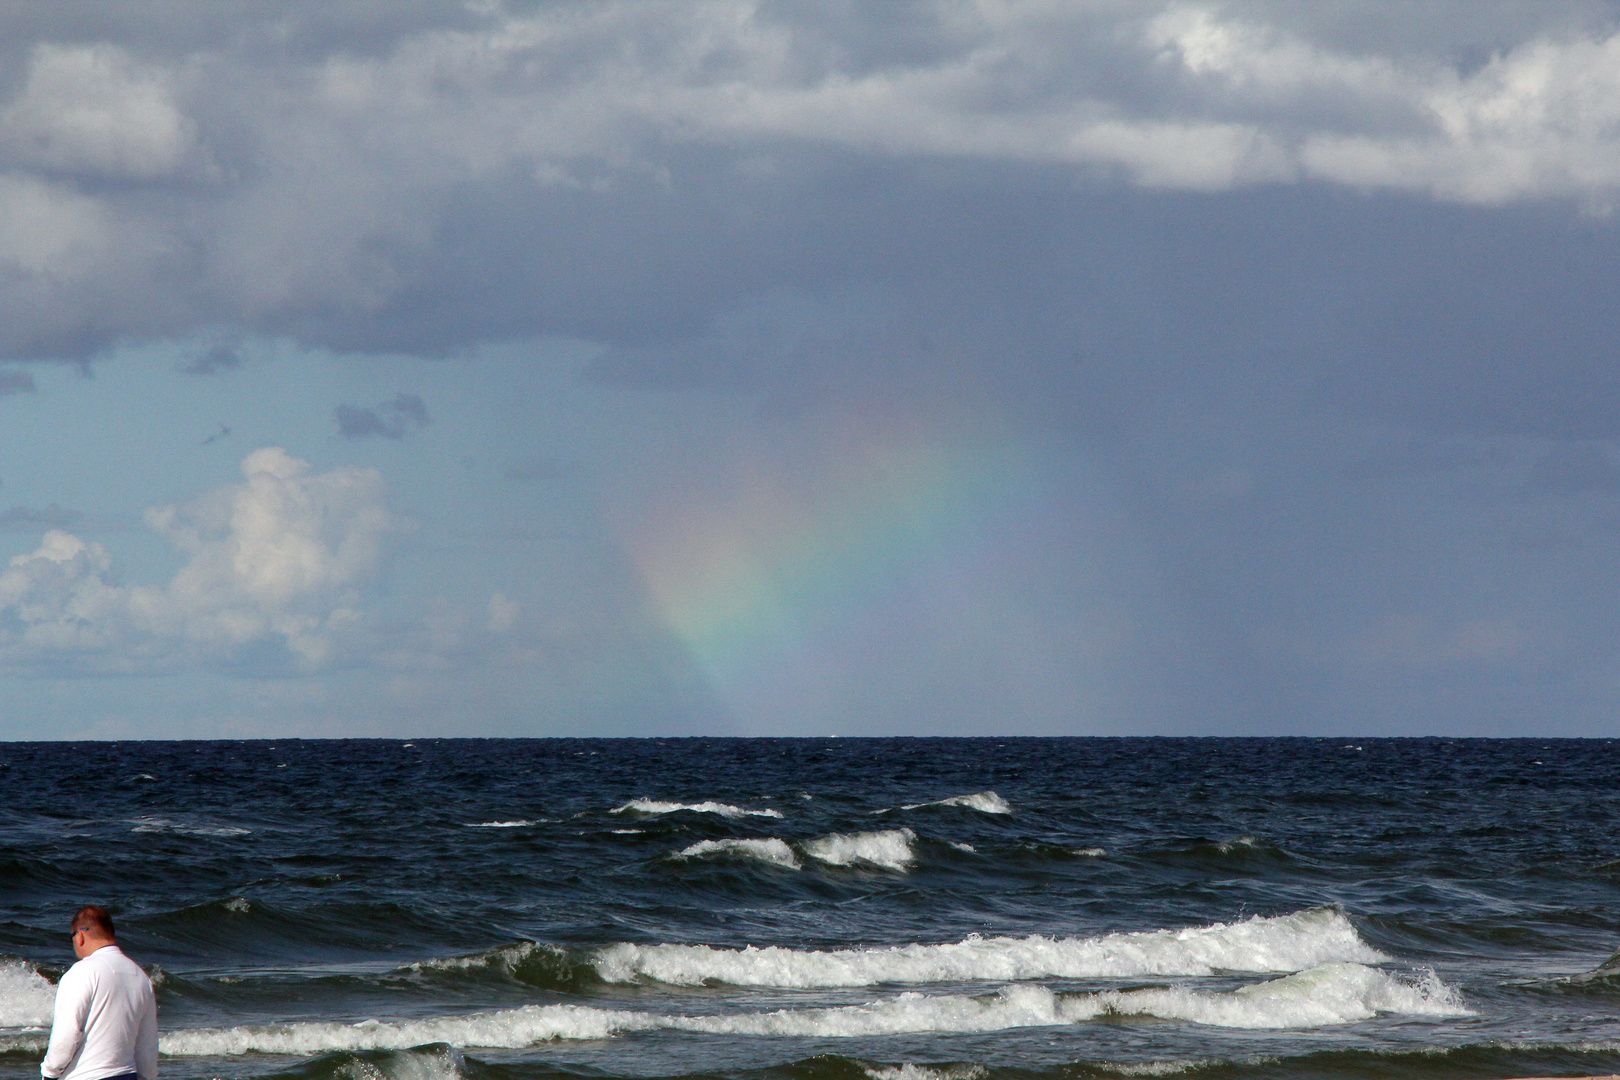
column 92, row 928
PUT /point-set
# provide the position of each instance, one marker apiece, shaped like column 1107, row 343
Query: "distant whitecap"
column 655, row 807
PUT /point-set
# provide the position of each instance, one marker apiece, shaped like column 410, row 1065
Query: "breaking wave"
column 1262, row 944
column 654, row 807
column 529, row 962
column 773, row 851
column 1329, row 994
column 890, row 849
column 986, row 802
column 26, row 997
column 887, row 850
column 909, row 1071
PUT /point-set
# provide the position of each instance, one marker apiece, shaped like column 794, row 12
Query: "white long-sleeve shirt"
column 106, row 1021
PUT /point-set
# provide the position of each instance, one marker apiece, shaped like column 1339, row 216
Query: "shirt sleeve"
column 67, row 1025
column 146, row 1040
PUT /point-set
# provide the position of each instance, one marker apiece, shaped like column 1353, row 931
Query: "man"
column 106, row 1016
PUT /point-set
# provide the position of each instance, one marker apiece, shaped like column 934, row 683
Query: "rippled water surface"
column 840, row 909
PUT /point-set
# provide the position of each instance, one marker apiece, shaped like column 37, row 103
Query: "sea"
column 830, row 909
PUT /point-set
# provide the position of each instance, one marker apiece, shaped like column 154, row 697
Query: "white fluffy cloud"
column 93, row 110
column 275, row 563
column 293, row 177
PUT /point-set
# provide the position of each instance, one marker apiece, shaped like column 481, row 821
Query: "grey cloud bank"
column 1304, row 314
column 317, row 171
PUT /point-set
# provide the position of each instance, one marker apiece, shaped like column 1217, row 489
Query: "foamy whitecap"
column 654, row 806
column 518, row 823
column 1158, row 1068
column 181, row 828
column 908, row 1071
column 1330, row 994
column 768, row 850
column 986, row 802
column 1293, row 942
column 890, row 849
column 26, row 997
column 509, row 1028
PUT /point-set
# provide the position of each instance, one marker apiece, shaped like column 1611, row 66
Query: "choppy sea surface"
column 908, row 909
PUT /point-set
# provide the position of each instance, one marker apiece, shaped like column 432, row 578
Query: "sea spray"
column 26, row 997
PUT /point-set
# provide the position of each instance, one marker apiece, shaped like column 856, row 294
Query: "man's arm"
column 67, row 1025
column 146, row 1041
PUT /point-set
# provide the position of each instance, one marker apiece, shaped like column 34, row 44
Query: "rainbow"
column 785, row 567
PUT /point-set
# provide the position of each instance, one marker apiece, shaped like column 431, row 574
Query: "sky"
column 739, row 367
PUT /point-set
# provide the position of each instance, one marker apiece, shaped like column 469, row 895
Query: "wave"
column 26, row 997
column 518, row 824
column 890, row 849
column 986, row 802
column 531, row 963
column 773, row 851
column 653, row 807
column 1329, row 994
column 910, row 1071
column 1262, row 944
column 182, row 828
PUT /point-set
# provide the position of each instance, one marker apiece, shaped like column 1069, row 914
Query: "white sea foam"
column 654, row 806
column 769, row 850
column 1090, row 852
column 181, row 828
column 908, row 1071
column 511, row 1028
column 986, row 802
column 421, row 1063
column 516, row 824
column 1293, row 942
column 889, row 849
column 1329, row 994
column 26, row 996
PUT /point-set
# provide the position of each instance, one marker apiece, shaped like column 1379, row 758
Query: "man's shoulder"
column 106, row 958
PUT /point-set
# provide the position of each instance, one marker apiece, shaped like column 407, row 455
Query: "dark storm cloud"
column 422, row 177
column 1269, row 263
column 391, row 419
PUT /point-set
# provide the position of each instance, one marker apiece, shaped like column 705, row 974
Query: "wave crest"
column 768, row 850
column 26, row 997
column 890, row 849
column 1329, row 994
column 532, row 963
column 655, row 807
column 1262, row 944
column 985, row 802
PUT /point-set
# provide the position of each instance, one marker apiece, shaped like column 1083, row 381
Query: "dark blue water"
column 851, row 909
